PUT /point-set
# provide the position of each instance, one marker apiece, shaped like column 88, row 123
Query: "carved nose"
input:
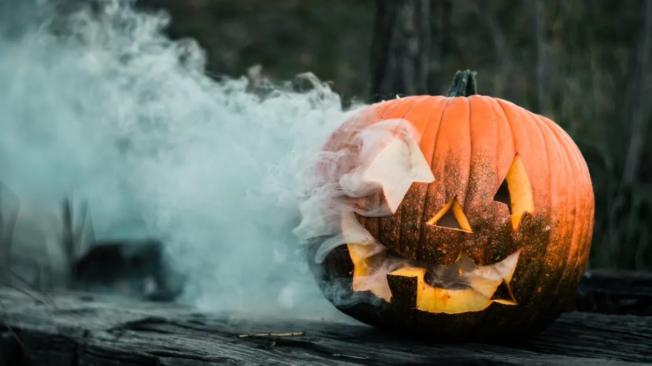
column 451, row 216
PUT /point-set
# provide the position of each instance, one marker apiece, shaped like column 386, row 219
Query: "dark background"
column 585, row 64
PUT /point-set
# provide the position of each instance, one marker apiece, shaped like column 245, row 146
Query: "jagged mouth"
column 461, row 287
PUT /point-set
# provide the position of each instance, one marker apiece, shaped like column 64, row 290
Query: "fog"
column 99, row 106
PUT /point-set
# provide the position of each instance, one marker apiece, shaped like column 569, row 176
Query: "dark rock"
column 127, row 267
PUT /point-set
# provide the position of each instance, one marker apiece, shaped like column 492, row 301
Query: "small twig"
column 272, row 334
column 351, row 356
column 11, row 330
column 46, row 299
column 27, row 293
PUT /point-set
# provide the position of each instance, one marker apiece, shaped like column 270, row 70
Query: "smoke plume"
column 99, row 105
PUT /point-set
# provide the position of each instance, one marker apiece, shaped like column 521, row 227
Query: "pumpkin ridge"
column 575, row 268
column 542, row 136
column 375, row 221
column 457, row 157
column 442, row 103
column 424, row 204
column 469, row 102
column 441, row 120
column 441, row 109
column 495, row 119
column 480, row 154
column 578, row 227
column 476, row 321
column 576, row 237
column 546, row 140
column 430, row 191
column 394, row 221
column 523, row 128
column 588, row 206
column 412, row 239
column 399, row 107
column 528, row 293
column 572, row 242
column 509, row 122
column 502, row 119
column 527, row 130
column 399, row 217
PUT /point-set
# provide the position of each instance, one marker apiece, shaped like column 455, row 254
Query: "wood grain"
column 82, row 329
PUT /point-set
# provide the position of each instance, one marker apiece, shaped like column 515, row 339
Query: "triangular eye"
column 449, row 221
column 502, row 195
column 516, row 192
column 451, row 216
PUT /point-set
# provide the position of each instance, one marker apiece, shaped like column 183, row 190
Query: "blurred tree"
column 401, row 48
column 410, row 38
column 637, row 108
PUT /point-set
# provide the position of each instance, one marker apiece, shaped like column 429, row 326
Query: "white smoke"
column 99, row 105
column 368, row 176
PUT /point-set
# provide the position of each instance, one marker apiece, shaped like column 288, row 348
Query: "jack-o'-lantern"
column 471, row 219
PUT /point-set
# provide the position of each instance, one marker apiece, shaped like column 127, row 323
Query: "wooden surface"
column 81, row 329
column 612, row 292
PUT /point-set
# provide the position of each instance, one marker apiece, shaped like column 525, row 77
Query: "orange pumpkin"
column 492, row 248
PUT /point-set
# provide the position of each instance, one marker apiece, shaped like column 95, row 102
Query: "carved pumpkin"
column 488, row 242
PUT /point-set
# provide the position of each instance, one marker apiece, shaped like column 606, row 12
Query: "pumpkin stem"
column 463, row 84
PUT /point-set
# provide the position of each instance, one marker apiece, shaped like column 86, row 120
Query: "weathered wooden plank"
column 616, row 292
column 624, row 337
column 78, row 329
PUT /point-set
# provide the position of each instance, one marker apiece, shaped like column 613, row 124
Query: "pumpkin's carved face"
column 491, row 226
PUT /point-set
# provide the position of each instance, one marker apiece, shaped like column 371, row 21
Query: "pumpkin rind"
column 471, row 144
